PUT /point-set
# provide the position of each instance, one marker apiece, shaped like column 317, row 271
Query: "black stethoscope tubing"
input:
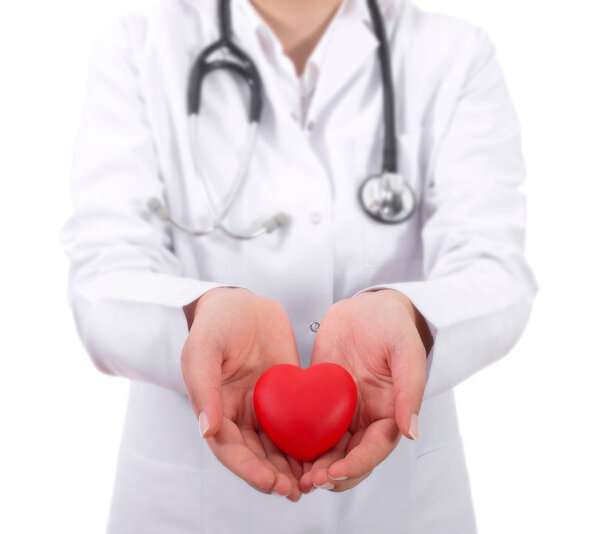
column 385, row 197
column 245, row 68
column 390, row 157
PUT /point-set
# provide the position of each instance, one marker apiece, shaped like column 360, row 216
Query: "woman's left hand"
column 381, row 339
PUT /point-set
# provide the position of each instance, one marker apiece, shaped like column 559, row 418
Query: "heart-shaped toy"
column 305, row 411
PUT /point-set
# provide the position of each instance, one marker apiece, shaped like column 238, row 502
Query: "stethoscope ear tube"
column 243, row 66
column 217, row 215
column 253, row 83
column 385, row 197
column 390, row 157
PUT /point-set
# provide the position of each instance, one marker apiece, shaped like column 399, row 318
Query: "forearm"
column 477, row 288
column 417, row 319
column 132, row 324
column 473, row 318
column 126, row 284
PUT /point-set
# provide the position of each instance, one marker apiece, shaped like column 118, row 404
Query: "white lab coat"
column 459, row 259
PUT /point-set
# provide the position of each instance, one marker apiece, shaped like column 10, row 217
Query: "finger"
column 355, row 440
column 378, row 441
column 287, row 484
column 230, row 448
column 317, row 476
column 408, row 366
column 276, row 456
column 306, row 467
column 201, row 368
column 344, row 485
column 283, row 482
column 253, row 442
column 296, row 465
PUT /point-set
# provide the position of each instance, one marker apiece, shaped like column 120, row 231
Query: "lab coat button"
column 315, row 217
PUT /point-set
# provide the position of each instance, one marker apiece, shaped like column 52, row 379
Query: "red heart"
column 305, row 411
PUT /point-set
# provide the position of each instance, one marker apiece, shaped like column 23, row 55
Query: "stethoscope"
column 386, row 197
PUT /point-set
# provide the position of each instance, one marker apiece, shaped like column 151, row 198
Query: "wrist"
column 417, row 318
column 191, row 309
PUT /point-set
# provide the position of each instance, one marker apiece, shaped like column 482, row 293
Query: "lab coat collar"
column 355, row 9
column 340, row 54
column 355, row 15
column 351, row 42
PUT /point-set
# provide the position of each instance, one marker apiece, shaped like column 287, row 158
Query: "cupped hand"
column 381, row 339
column 234, row 337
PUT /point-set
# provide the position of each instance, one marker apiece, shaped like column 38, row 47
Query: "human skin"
column 298, row 24
column 383, row 341
column 236, row 335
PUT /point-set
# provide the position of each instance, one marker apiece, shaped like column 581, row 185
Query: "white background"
column 530, row 422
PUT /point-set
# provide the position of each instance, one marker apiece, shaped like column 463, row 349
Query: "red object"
column 305, row 411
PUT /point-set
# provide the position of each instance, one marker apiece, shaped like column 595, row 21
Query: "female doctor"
column 375, row 222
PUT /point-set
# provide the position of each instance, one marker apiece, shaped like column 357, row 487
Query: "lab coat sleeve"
column 126, row 287
column 478, row 288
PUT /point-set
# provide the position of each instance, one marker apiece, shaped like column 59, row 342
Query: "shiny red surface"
column 305, row 411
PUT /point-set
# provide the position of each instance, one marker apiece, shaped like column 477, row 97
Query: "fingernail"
column 413, row 430
column 274, row 492
column 343, row 477
column 326, row 486
column 204, row 425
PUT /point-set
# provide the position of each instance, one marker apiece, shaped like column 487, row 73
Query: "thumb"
column 201, row 368
column 408, row 366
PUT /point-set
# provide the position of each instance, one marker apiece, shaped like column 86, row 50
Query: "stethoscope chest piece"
column 387, row 198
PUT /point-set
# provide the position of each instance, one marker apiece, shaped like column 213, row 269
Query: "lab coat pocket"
column 388, row 244
column 151, row 495
column 441, row 480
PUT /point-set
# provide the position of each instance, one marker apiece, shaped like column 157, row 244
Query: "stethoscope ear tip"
column 277, row 221
column 156, row 206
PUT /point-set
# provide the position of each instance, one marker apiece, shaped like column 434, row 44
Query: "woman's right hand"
column 234, row 337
